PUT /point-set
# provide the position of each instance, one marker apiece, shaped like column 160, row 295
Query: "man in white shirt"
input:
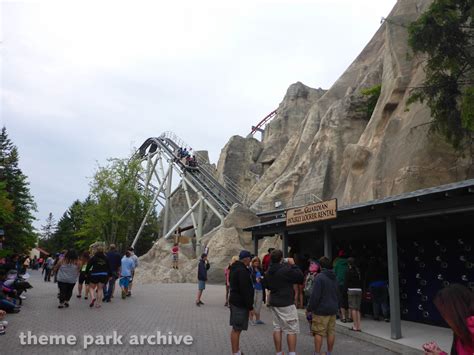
column 135, row 260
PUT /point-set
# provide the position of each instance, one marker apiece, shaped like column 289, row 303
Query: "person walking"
column 340, row 268
column 353, row 285
column 49, row 264
column 279, row 280
column 126, row 272
column 323, row 305
column 98, row 270
column 135, row 260
column 455, row 303
column 202, row 277
column 227, row 279
column 241, row 298
column 257, row 279
column 83, row 279
column 114, row 261
column 67, row 271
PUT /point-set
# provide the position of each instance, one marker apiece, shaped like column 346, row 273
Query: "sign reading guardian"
column 312, row 213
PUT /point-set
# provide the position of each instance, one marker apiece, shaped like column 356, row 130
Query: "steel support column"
column 168, row 200
column 285, row 244
column 327, row 242
column 152, row 206
column 393, row 285
column 200, row 222
column 182, row 219
column 255, row 245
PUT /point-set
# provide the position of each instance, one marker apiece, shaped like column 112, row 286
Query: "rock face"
column 321, row 145
column 223, row 243
column 238, row 162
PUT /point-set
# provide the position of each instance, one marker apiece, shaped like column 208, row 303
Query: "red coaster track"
column 266, row 119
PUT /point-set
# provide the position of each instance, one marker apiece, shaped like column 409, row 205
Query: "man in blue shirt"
column 126, row 271
column 114, row 262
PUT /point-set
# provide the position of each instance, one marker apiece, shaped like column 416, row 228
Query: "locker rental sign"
column 315, row 212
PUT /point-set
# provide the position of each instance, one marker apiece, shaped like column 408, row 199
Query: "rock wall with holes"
column 321, row 142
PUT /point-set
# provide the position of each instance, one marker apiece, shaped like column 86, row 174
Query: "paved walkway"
column 164, row 307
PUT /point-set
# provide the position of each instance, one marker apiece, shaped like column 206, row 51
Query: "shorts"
column 323, row 325
column 125, row 281
column 174, row 257
column 355, row 298
column 83, row 278
column 239, row 318
column 98, row 279
column 286, row 319
column 201, row 285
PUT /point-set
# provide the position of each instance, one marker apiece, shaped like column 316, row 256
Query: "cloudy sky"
column 87, row 80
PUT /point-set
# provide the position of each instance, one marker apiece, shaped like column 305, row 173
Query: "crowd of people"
column 327, row 290
column 94, row 273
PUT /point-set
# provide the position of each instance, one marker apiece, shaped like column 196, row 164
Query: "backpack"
column 308, row 285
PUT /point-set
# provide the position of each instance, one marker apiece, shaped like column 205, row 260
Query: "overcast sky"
column 84, row 81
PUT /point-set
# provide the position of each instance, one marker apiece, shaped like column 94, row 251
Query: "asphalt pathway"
column 165, row 308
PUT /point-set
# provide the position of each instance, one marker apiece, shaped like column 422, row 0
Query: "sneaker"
column 129, row 293
column 259, row 322
column 202, row 304
column 4, row 323
column 2, row 330
column 252, row 322
column 124, row 294
column 22, row 297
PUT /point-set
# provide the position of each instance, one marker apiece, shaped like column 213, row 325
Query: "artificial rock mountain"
column 321, row 143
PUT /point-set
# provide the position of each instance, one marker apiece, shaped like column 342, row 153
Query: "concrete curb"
column 372, row 339
column 384, row 343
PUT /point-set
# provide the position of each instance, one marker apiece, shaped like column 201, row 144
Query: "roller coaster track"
column 219, row 193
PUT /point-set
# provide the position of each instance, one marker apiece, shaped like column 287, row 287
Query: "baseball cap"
column 244, row 254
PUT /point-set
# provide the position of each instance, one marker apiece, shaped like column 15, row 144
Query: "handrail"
column 207, row 167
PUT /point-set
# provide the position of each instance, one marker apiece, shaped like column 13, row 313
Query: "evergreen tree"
column 18, row 226
column 49, row 228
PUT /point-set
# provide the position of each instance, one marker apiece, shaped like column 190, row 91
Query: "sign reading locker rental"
column 312, row 213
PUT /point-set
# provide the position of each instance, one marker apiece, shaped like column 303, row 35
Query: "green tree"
column 18, row 224
column 48, row 229
column 6, row 204
column 445, row 35
column 64, row 235
column 117, row 205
